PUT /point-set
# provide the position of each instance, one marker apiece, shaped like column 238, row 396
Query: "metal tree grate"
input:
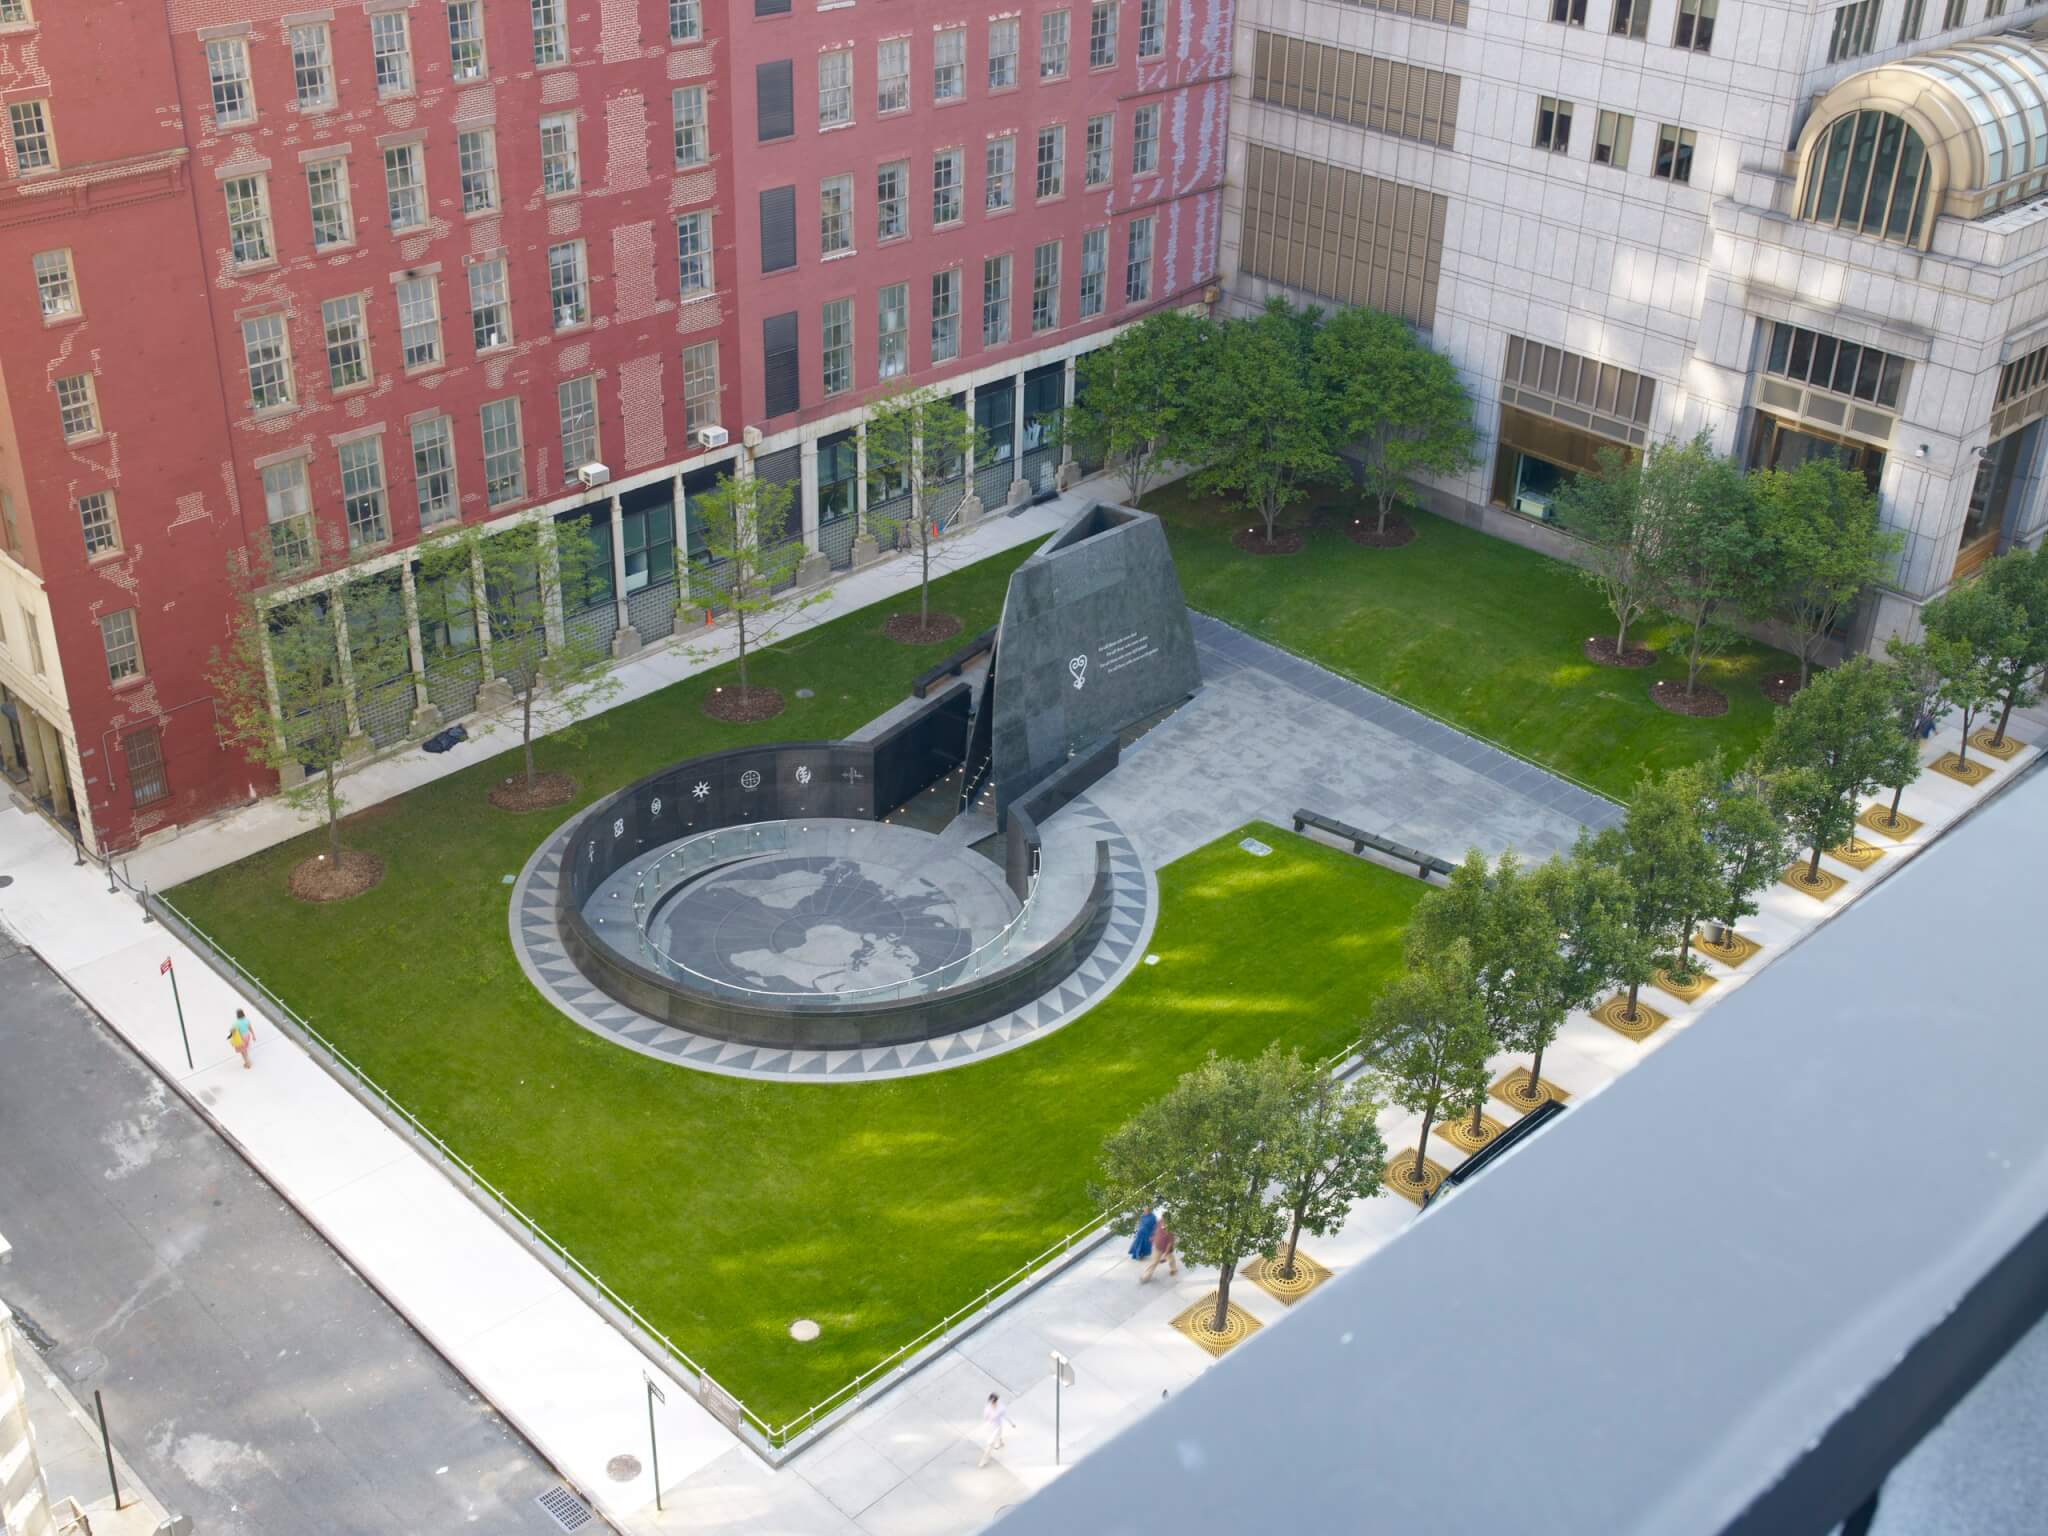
column 568, row 1511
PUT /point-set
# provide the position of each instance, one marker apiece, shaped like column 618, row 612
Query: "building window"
column 1002, row 54
column 946, row 187
column 362, row 492
column 466, row 40
column 550, row 32
column 1138, row 262
column 14, row 13
column 892, row 330
column 1102, row 17
column 835, row 88
column 1094, row 263
column 558, row 168
column 78, row 407
column 774, row 101
column 327, row 200
column 55, row 289
column 1912, row 16
column 692, row 143
column 1631, row 18
column 96, row 521
column 1098, row 149
column 1958, row 12
column 1674, row 153
column 476, row 159
column 576, row 400
column 35, row 640
column 1052, row 45
column 1553, row 125
column 568, row 285
column 700, row 386
column 248, row 203
column 1145, row 140
column 1571, row 13
column 1854, row 32
column 391, row 52
column 685, row 21
column 348, row 354
column 1052, row 161
column 835, row 215
column 1839, row 367
column 1993, row 8
column 1151, row 28
column 433, row 469
column 995, row 300
column 123, row 646
column 693, row 254
column 1611, row 135
column 999, row 161
column 227, row 71
column 29, row 122
column 312, row 66
column 490, row 310
column 892, row 75
column 1695, row 29
column 781, row 369
column 945, row 315
column 891, row 219
column 1045, row 287
column 1869, row 174
column 143, row 752
column 949, row 64
column 504, row 471
column 8, row 531
column 419, row 321
column 835, row 346
column 289, row 511
column 405, row 186
column 267, row 354
column 778, row 228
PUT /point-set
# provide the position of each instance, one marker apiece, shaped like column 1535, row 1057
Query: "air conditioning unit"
column 751, row 436
column 712, row 437
column 593, row 475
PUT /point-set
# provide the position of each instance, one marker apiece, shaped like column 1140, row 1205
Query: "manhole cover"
column 803, row 1330
column 1254, row 847
column 5, row 881
column 622, row 1469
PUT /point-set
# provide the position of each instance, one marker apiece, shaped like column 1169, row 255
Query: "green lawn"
column 1474, row 630
column 725, row 1209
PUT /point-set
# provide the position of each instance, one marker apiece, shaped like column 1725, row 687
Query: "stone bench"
column 1360, row 840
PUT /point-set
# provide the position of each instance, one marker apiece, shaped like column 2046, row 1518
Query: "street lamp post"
column 654, row 1395
column 171, row 971
column 1062, row 1377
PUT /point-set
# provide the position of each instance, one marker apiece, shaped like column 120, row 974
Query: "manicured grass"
column 1474, row 630
column 724, row 1209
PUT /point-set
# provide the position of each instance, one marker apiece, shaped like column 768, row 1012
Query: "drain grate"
column 569, row 1512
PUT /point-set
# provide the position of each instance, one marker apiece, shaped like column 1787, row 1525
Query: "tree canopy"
column 1139, row 401
column 1825, row 546
column 1839, row 737
column 1265, row 437
column 1398, row 401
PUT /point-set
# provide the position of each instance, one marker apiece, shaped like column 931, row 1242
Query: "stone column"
column 496, row 694
column 816, row 568
column 38, row 765
column 56, row 768
column 865, row 550
column 1069, row 470
column 9, row 758
column 626, row 639
column 970, row 503
column 358, row 743
column 1020, row 488
column 426, row 719
column 548, row 556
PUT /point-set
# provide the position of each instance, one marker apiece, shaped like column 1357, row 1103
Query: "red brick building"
column 285, row 275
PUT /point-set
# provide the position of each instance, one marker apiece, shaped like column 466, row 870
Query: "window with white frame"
column 327, row 201
column 1694, row 30
column 700, row 386
column 999, row 162
column 419, row 321
column 476, row 162
column 576, row 400
column 1145, row 140
column 946, row 186
column 945, row 315
column 892, row 75
column 123, row 645
column 490, row 307
column 362, row 492
column 1102, row 18
column 558, row 168
column 1045, row 287
column 29, row 124
column 568, row 284
column 78, row 407
column 227, row 73
column 466, row 40
column 248, row 204
column 391, row 52
column 1052, row 161
column 1138, row 262
column 433, row 469
column 835, row 215
column 1151, row 28
column 1002, row 54
column 96, row 521
column 892, row 330
column 550, row 31
column 1098, row 150
column 995, row 300
column 692, row 141
column 348, row 344
column 289, row 511
column 835, row 346
column 405, row 185
column 14, row 13
column 34, row 631
column 56, row 291
column 693, row 254
column 312, row 66
column 1052, row 45
column 266, row 352
column 1094, row 263
column 835, row 88
column 891, row 196
column 949, row 64
column 685, row 21
column 504, row 458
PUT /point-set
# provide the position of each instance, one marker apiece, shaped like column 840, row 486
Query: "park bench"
column 1360, row 840
column 954, row 664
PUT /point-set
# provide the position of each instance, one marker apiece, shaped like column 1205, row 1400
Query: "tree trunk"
column 2004, row 715
column 924, row 587
column 526, row 725
column 1634, row 987
column 1478, row 1124
column 1685, row 948
column 1417, row 1175
column 1692, row 657
column 1385, row 506
column 1805, row 659
column 1222, row 1317
column 1963, row 748
column 1270, row 511
column 333, row 819
column 1621, row 635
column 1813, row 867
column 1293, row 1244
column 1536, row 1077
column 740, row 618
column 1898, row 792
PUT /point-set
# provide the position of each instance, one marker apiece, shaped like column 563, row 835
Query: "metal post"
column 1062, row 1377
column 178, row 1003
column 107, row 1443
column 654, row 1395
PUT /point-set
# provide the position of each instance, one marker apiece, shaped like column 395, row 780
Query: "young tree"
column 1825, row 545
column 1265, row 435
column 1208, row 1151
column 1706, row 562
column 1328, row 1149
column 1973, row 629
column 1918, row 669
column 1839, row 737
column 2020, row 577
column 1137, row 401
column 918, row 438
column 1586, row 906
column 745, row 522
column 1398, row 400
column 1427, row 1034
column 1661, row 855
column 1605, row 508
column 1746, row 840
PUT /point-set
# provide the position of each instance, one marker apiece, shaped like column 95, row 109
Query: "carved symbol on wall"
column 701, row 790
column 853, row 775
column 1079, row 667
column 655, row 808
column 751, row 779
column 803, row 775
column 619, row 827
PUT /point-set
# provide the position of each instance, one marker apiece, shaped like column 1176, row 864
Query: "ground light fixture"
column 1062, row 1377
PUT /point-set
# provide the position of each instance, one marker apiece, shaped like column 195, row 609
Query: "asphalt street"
column 251, row 1377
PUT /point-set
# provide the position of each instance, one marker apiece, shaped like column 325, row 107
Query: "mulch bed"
column 513, row 794
column 1365, row 531
column 1701, row 703
column 729, row 705
column 1253, row 542
column 1600, row 649
column 321, row 879
column 1779, row 689
column 906, row 629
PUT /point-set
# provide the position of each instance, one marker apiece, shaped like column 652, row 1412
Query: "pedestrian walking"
column 240, row 1035
column 993, row 1422
column 1163, row 1242
column 1141, row 1245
